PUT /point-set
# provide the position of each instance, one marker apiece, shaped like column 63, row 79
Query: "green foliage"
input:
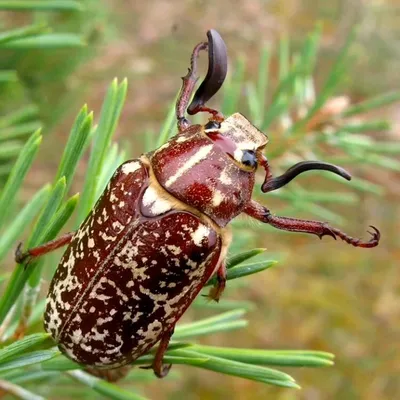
column 303, row 123
column 35, row 63
column 109, row 116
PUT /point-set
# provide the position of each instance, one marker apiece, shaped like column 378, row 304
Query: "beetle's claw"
column 163, row 372
column 21, row 257
column 215, row 293
column 356, row 242
column 18, row 255
column 376, row 235
column 209, row 297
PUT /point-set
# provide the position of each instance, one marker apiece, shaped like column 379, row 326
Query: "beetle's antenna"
column 271, row 184
column 217, row 69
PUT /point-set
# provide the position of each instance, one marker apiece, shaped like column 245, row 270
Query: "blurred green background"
column 324, row 295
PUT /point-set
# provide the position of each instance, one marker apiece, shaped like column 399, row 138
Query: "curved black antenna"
column 275, row 183
column 217, row 70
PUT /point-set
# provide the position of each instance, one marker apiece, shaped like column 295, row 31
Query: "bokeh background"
column 324, row 295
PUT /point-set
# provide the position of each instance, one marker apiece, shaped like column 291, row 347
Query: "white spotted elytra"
column 159, row 232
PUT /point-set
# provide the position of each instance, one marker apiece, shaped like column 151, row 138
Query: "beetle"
column 160, row 231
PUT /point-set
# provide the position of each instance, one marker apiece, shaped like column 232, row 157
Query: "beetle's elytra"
column 159, row 232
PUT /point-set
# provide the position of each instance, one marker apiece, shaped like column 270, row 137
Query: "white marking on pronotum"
column 131, row 167
column 196, row 158
column 199, row 234
column 238, row 155
column 217, row 198
column 225, row 178
column 182, row 139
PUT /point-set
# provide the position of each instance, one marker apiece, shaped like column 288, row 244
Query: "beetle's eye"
column 249, row 159
column 212, row 125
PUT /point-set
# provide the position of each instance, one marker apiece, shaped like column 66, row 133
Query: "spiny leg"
column 188, row 84
column 25, row 258
column 217, row 290
column 21, row 257
column 217, row 69
column 320, row 229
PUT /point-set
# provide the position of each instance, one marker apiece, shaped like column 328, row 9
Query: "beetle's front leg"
column 217, row 69
column 320, row 229
column 217, row 290
column 22, row 257
column 188, row 84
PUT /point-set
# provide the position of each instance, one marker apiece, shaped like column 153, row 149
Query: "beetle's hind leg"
column 160, row 369
column 24, row 257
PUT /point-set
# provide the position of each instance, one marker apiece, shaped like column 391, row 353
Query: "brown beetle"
column 159, row 232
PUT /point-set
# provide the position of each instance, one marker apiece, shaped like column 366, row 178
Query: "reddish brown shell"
column 191, row 168
column 127, row 278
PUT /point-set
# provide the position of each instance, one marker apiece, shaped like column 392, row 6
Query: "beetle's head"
column 244, row 144
column 239, row 139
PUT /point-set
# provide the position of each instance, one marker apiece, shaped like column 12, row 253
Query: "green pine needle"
column 41, row 5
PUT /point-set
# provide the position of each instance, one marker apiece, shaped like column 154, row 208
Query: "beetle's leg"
column 161, row 370
column 188, row 84
column 217, row 290
column 320, row 229
column 217, row 69
column 22, row 257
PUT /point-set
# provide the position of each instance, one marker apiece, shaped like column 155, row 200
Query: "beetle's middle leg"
column 22, row 257
column 217, row 290
column 320, row 229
